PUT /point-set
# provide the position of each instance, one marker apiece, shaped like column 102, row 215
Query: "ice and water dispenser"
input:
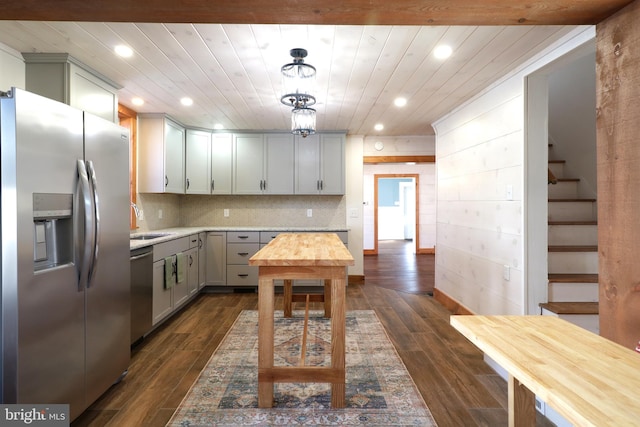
column 53, row 230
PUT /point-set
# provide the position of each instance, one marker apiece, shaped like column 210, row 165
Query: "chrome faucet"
column 136, row 209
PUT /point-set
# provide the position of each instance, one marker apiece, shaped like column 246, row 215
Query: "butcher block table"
column 302, row 256
column 588, row 379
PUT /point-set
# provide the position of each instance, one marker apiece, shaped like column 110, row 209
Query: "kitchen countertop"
column 178, row 232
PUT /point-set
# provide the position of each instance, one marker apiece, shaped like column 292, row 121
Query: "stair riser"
column 573, row 292
column 563, row 190
column 557, row 169
column 573, row 263
column 572, row 211
column 573, row 235
column 590, row 322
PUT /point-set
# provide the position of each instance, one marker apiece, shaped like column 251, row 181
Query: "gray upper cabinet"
column 198, row 162
column 248, row 163
column 63, row 78
column 263, row 163
column 279, row 163
column 161, row 155
column 221, row 163
column 319, row 166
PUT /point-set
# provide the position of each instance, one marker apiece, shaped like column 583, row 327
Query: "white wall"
column 12, row 69
column 481, row 204
column 402, row 146
column 426, row 199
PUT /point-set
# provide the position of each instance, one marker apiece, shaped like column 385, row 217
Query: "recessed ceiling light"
column 379, row 126
column 400, row 102
column 186, row 101
column 137, row 101
column 442, row 51
column 123, row 51
column 218, row 126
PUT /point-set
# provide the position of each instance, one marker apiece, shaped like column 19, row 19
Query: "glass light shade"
column 298, row 81
column 303, row 121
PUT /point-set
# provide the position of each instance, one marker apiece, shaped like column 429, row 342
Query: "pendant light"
column 298, row 82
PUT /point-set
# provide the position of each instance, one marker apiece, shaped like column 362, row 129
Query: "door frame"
column 396, row 159
column 377, row 177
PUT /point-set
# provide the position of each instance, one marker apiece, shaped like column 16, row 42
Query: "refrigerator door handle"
column 96, row 221
column 83, row 225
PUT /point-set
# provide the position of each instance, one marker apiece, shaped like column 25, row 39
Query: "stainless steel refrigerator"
column 65, row 252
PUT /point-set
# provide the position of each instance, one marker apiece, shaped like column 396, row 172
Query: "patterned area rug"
column 379, row 390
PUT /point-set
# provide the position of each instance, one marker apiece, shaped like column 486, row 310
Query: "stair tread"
column 571, row 307
column 573, row 278
column 577, row 248
column 573, row 222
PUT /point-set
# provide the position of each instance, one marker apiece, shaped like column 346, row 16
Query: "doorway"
column 395, row 213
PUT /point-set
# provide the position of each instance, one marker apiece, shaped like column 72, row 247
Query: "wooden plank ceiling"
column 340, row 12
column 226, row 55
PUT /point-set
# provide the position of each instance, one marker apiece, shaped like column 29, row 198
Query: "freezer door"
column 42, row 307
column 108, row 290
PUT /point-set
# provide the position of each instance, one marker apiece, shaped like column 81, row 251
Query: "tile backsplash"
column 169, row 210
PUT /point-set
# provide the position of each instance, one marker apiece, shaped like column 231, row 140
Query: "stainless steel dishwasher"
column 141, row 292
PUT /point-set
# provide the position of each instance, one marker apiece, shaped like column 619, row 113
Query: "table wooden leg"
column 265, row 340
column 338, row 334
column 327, row 298
column 522, row 405
column 288, row 297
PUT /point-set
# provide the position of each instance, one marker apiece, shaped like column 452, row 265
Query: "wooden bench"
column 589, row 380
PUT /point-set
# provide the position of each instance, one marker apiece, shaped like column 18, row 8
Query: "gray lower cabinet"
column 216, row 264
column 202, row 260
column 240, row 247
column 168, row 292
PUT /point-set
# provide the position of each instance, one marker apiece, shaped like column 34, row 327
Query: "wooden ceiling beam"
column 338, row 12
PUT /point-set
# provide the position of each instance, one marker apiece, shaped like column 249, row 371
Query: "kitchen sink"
column 148, row 236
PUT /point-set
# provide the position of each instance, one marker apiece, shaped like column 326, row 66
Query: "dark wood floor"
column 459, row 388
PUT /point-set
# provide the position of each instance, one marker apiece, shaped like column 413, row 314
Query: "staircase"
column 573, row 252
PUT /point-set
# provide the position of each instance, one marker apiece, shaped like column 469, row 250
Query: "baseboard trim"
column 450, row 303
column 356, row 279
column 426, row 251
column 420, row 251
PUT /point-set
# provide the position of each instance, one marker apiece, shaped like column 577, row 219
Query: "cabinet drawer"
column 193, row 241
column 165, row 249
column 243, row 236
column 267, row 236
column 239, row 253
column 238, row 275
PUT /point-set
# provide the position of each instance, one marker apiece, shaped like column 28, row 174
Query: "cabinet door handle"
column 321, row 185
column 243, row 237
column 166, row 181
column 243, row 275
column 200, row 243
column 213, row 185
column 243, row 253
column 188, row 183
column 190, row 260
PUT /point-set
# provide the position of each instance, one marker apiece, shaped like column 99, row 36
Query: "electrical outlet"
column 309, row 213
column 141, row 215
column 506, row 272
column 160, row 213
column 226, row 212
